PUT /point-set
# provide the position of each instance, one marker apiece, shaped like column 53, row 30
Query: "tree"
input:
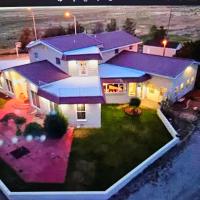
column 129, row 26
column 112, row 26
column 54, row 31
column 55, row 125
column 26, row 37
column 190, row 50
column 99, row 28
column 79, row 28
column 157, row 34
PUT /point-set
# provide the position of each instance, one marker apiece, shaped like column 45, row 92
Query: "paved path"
column 177, row 176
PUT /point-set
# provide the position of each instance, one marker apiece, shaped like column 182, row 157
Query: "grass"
column 100, row 157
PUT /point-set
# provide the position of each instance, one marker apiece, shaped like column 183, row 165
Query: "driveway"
column 175, row 177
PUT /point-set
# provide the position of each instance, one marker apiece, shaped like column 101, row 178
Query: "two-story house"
column 78, row 73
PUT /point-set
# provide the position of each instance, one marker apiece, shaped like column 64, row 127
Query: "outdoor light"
column 67, row 15
column 29, row 138
column 164, row 42
column 1, row 142
column 42, row 138
column 14, row 140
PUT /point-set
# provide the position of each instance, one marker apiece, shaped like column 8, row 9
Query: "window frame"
column 9, row 86
column 58, row 61
column 36, row 55
column 83, row 65
column 35, row 99
column 105, row 86
column 81, row 111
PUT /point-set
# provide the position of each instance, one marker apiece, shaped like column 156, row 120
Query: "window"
column 131, row 47
column 114, row 87
column 116, row 51
column 182, row 86
column 132, row 89
column 9, row 85
column 35, row 99
column 176, row 90
column 140, row 48
column 187, row 82
column 58, row 61
column 163, row 91
column 36, row 55
column 81, row 113
column 151, row 88
column 53, row 106
column 192, row 79
column 83, row 68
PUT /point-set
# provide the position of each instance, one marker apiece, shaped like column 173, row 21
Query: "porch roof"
column 40, row 73
column 74, row 90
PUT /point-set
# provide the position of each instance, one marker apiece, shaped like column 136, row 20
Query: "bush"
column 55, row 125
column 135, row 102
column 19, row 120
column 8, row 116
column 33, row 129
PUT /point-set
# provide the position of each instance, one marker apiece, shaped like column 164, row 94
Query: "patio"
column 40, row 162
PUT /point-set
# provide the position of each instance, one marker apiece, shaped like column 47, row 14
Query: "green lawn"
column 99, row 157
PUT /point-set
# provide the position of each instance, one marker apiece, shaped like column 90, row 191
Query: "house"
column 78, row 73
column 156, row 48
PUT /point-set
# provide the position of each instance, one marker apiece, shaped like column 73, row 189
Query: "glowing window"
column 182, row 86
column 81, row 112
column 114, row 87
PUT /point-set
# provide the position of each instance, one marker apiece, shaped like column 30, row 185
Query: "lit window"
column 192, row 79
column 116, row 51
column 36, row 55
column 10, row 86
column 35, row 99
column 182, row 86
column 81, row 112
column 114, row 87
column 58, row 61
column 187, row 82
column 83, row 68
column 176, row 90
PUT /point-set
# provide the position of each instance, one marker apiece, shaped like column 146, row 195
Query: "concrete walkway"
column 176, row 177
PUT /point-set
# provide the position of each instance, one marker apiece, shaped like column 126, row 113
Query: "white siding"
column 107, row 55
column 190, row 71
column 91, row 65
column 46, row 53
column 93, row 115
column 158, row 50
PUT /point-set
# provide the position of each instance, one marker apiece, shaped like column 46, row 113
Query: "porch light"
column 29, row 138
column 14, row 140
column 164, row 42
column 42, row 138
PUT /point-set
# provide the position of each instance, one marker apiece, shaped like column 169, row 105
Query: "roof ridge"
column 178, row 58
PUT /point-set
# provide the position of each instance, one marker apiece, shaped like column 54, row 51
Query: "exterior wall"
column 188, row 75
column 159, row 83
column 91, row 65
column 46, row 53
column 158, row 50
column 93, row 115
column 107, row 55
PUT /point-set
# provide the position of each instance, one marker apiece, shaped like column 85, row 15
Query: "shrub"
column 55, row 124
column 135, row 102
column 19, row 120
column 8, row 117
column 33, row 129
